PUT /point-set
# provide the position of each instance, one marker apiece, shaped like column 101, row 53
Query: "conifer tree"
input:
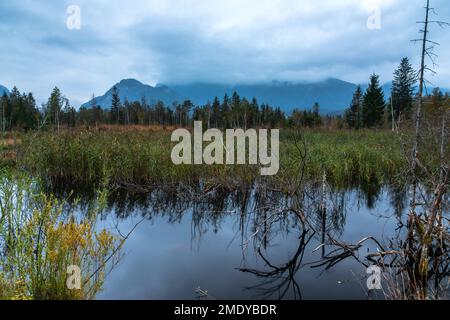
column 54, row 106
column 215, row 116
column 353, row 116
column 373, row 103
column 115, row 106
column 225, row 111
column 403, row 89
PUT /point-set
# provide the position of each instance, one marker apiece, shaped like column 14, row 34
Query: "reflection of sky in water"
column 162, row 261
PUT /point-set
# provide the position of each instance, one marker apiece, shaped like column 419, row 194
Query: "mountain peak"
column 134, row 90
column 130, row 82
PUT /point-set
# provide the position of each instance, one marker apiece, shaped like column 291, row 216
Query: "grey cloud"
column 169, row 41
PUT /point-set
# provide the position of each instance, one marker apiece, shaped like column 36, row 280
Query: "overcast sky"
column 227, row 41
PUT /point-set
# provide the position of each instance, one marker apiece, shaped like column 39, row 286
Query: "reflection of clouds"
column 166, row 259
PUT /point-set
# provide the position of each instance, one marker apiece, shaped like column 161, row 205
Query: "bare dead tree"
column 427, row 51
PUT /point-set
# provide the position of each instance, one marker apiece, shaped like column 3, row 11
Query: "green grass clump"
column 353, row 157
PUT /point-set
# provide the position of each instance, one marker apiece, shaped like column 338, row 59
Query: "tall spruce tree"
column 353, row 115
column 115, row 106
column 31, row 115
column 54, row 106
column 236, row 109
column 225, row 112
column 215, row 116
column 373, row 103
column 15, row 99
column 68, row 114
column 403, row 89
column 254, row 114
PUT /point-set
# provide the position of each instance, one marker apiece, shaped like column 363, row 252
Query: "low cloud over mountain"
column 333, row 95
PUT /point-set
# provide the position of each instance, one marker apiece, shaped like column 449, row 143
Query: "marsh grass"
column 349, row 159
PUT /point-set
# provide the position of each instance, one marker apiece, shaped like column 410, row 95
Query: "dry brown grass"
column 8, row 155
column 10, row 142
column 134, row 128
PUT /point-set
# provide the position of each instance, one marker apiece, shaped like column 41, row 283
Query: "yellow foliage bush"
column 39, row 240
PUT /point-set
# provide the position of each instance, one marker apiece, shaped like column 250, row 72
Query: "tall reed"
column 139, row 157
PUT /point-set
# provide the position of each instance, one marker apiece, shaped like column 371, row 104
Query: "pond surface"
column 240, row 249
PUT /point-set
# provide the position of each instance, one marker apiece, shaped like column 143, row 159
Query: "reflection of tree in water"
column 371, row 187
column 314, row 212
column 261, row 214
column 280, row 279
column 398, row 195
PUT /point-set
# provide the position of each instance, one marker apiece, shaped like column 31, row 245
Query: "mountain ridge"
column 333, row 95
column 134, row 90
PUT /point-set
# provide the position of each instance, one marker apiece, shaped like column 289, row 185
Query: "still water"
column 238, row 247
